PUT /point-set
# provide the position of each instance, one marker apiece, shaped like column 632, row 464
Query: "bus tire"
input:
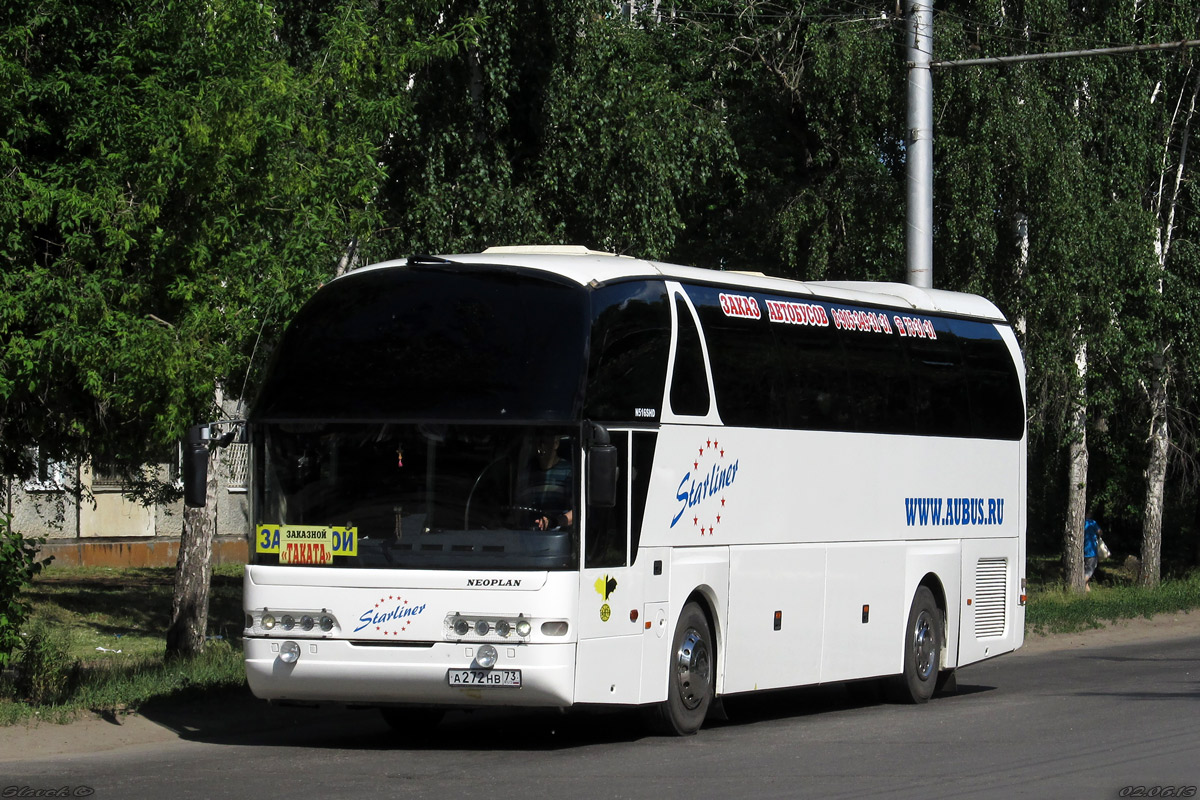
column 691, row 683
column 922, row 651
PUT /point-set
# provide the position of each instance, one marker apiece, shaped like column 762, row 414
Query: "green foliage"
column 96, row 643
column 178, row 180
column 46, row 672
column 556, row 123
column 180, row 176
column 1055, row 609
column 18, row 566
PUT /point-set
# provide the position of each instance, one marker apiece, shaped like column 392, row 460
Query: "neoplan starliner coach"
column 554, row 477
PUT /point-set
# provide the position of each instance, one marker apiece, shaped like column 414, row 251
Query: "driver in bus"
column 549, row 484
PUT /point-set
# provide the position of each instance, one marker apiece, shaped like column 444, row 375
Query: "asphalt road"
column 1085, row 722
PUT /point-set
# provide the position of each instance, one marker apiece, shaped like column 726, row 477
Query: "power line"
column 1102, row 51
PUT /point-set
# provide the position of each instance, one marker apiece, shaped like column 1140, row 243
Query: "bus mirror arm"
column 200, row 438
column 603, row 469
column 195, row 465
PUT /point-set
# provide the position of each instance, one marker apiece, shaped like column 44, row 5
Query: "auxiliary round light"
column 287, row 622
column 486, row 656
column 327, row 623
column 523, row 627
column 306, row 622
column 462, row 627
column 504, row 628
column 482, row 627
column 268, row 621
column 289, row 652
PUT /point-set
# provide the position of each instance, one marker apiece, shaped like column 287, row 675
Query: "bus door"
column 609, row 625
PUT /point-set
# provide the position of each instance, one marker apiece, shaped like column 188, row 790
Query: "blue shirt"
column 1091, row 537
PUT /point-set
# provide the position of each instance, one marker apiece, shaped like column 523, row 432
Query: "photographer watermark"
column 58, row 791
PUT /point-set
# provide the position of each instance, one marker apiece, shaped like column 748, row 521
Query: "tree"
column 174, row 188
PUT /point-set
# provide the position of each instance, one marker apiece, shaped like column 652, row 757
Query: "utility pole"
column 919, row 147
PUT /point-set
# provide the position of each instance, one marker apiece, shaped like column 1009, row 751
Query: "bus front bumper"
column 338, row 671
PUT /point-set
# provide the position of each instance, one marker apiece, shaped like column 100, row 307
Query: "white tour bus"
column 553, row 477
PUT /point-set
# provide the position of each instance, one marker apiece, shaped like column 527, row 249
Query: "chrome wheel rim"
column 924, row 648
column 692, row 669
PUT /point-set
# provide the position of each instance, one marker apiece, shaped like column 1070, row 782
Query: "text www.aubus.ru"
column 954, row 510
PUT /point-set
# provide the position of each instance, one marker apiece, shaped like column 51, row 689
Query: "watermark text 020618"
column 1157, row 791
column 53, row 791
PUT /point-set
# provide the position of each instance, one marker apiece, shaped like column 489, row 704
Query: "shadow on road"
column 243, row 720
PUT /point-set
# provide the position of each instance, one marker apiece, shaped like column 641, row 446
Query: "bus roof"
column 589, row 266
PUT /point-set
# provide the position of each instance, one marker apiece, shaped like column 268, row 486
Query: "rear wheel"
column 690, row 682
column 922, row 651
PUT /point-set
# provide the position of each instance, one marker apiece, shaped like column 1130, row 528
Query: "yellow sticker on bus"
column 306, row 544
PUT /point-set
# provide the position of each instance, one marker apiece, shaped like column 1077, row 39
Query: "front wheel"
column 690, row 682
column 922, row 651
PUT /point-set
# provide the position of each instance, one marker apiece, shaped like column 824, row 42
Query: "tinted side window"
column 643, row 460
column 629, row 349
column 878, row 393
column 689, row 381
column 813, row 376
column 744, row 363
column 939, row 387
column 994, row 389
column 606, row 527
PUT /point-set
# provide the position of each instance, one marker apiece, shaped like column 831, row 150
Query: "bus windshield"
column 417, row 344
column 423, row 496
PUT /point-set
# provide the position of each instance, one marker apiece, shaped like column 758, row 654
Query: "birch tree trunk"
column 193, row 574
column 1077, row 472
column 1156, row 477
column 1159, row 379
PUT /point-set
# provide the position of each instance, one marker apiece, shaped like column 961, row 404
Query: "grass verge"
column 1053, row 608
column 96, row 642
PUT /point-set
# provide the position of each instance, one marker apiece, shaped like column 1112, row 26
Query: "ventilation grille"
column 991, row 583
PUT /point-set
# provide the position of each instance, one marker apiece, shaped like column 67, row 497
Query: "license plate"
column 483, row 677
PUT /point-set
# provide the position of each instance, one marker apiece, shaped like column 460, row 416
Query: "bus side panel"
column 993, row 620
column 865, row 611
column 609, row 670
column 700, row 571
column 788, row 580
column 942, row 560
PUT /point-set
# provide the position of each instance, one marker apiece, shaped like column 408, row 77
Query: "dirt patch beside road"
column 1130, row 631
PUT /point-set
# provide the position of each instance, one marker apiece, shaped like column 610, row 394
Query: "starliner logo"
column 391, row 611
column 703, row 491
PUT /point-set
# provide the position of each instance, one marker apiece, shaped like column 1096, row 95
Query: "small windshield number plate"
column 484, row 677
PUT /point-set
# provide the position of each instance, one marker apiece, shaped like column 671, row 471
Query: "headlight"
column 289, row 652
column 485, row 656
column 485, row 627
column 320, row 624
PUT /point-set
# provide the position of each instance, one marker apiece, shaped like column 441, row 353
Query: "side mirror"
column 195, row 467
column 603, row 469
